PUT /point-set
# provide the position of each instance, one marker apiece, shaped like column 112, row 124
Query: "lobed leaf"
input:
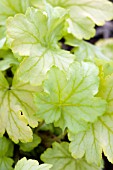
column 17, row 110
column 36, row 34
column 27, row 147
column 11, row 7
column 85, row 14
column 31, row 165
column 99, row 137
column 61, row 159
column 70, row 103
column 92, row 142
column 36, row 30
column 34, row 69
column 85, row 51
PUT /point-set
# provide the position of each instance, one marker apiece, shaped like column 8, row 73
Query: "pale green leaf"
column 68, row 102
column 2, row 36
column 85, row 51
column 36, row 30
column 34, row 69
column 7, row 60
column 84, row 14
column 106, row 46
column 14, row 101
column 92, row 142
column 99, row 137
column 61, row 159
column 78, row 27
column 30, row 164
column 106, row 92
column 27, row 147
column 39, row 40
column 11, row 7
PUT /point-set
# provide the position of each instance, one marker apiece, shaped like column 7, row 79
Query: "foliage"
column 50, row 96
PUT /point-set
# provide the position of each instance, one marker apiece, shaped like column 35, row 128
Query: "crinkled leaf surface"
column 11, row 7
column 6, row 150
column 68, row 102
column 61, row 159
column 36, row 29
column 36, row 34
column 85, row 51
column 27, row 147
column 30, row 164
column 91, row 143
column 15, row 100
column 84, row 14
column 99, row 137
column 34, row 69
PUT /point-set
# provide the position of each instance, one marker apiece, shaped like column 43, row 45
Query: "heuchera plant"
column 61, row 99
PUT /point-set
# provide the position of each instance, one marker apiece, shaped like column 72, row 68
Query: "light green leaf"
column 99, row 137
column 7, row 60
column 39, row 40
column 92, row 142
column 86, row 143
column 106, row 92
column 36, row 30
column 78, row 26
column 6, row 151
column 2, row 36
column 85, row 51
column 27, row 147
column 30, row 164
column 61, row 159
column 14, row 101
column 84, row 14
column 34, row 69
column 68, row 102
column 106, row 46
column 11, row 7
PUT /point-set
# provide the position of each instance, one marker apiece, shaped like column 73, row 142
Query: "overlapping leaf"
column 14, row 101
column 7, row 60
column 106, row 92
column 37, row 34
column 11, row 7
column 61, row 159
column 27, row 147
column 68, row 102
column 85, row 51
column 34, row 69
column 2, row 36
column 99, row 137
column 30, row 164
column 106, row 46
column 85, row 14
column 36, row 29
column 91, row 143
column 6, row 151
